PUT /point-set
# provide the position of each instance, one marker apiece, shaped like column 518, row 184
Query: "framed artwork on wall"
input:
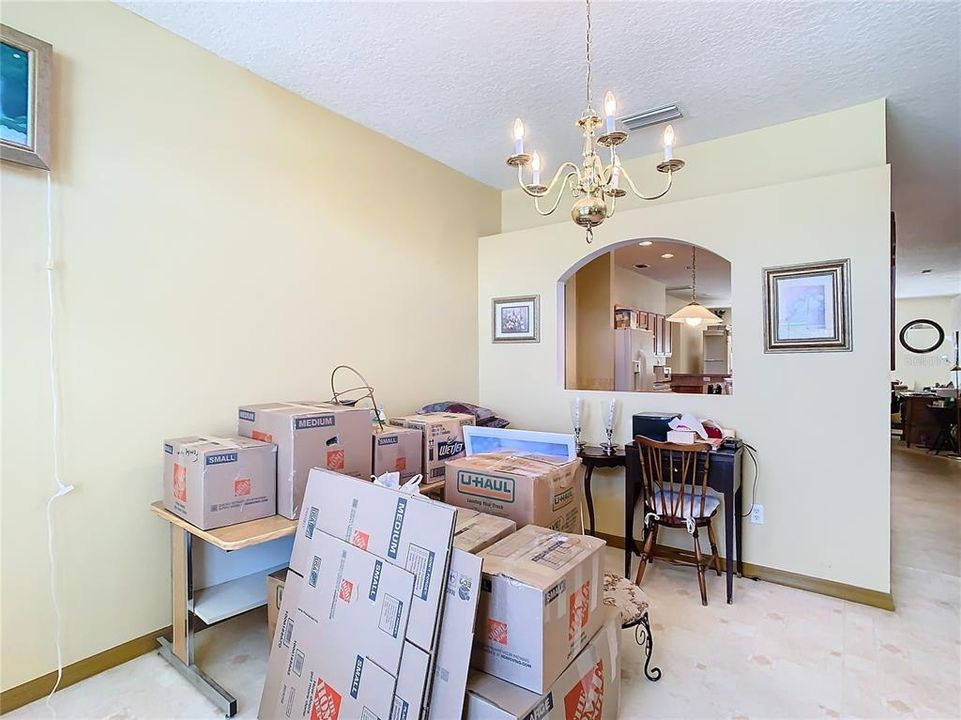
column 25, row 72
column 516, row 319
column 807, row 308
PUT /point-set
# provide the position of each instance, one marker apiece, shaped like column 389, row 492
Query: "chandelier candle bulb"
column 616, row 174
column 518, row 137
column 610, row 107
column 668, row 143
column 536, row 169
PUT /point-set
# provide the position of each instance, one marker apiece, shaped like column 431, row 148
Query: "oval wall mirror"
column 921, row 336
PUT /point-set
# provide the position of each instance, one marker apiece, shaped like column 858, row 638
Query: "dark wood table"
column 724, row 477
column 595, row 457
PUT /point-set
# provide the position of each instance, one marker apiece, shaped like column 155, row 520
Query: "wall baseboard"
column 852, row 593
column 82, row 669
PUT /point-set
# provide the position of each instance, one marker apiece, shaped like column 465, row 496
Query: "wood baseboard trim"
column 82, row 669
column 852, row 593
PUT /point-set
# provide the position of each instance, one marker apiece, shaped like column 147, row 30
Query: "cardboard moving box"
column 314, row 676
column 398, row 449
column 275, row 598
column 213, row 482
column 409, row 531
column 528, row 489
column 309, row 434
column 541, row 597
column 475, row 530
column 589, row 689
column 443, row 438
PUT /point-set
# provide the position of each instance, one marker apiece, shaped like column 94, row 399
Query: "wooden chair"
column 674, row 481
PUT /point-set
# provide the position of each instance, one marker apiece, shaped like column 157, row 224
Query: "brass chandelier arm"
column 574, row 170
column 670, row 179
column 567, row 178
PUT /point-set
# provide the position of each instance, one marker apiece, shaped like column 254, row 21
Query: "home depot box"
column 411, row 684
column 309, row 434
column 398, row 449
column 410, row 531
column 312, row 675
column 213, row 482
column 275, row 597
column 528, row 489
column 475, row 531
column 540, row 599
column 456, row 636
column 589, row 689
column 443, row 438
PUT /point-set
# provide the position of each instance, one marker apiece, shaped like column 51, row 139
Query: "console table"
column 724, row 477
column 597, row 457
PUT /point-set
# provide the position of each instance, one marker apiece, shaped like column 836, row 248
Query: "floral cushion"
column 627, row 598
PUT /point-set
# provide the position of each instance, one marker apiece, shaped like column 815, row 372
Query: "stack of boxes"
column 442, row 437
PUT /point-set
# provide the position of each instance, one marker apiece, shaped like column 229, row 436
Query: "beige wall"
column 221, row 241
column 595, row 325
column 923, row 370
column 629, row 289
column 826, row 508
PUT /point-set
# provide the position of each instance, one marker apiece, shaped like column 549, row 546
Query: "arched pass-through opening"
column 614, row 332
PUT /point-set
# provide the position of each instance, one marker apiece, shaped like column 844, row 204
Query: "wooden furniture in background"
column 674, row 486
column 724, row 476
column 595, row 457
column 947, row 419
column 696, row 383
column 216, row 603
column 920, row 425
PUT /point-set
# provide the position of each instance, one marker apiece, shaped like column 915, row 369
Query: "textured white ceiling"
column 448, row 79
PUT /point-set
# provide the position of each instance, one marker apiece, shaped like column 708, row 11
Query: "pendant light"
column 694, row 314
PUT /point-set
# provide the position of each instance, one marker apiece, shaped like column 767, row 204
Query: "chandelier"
column 694, row 314
column 594, row 186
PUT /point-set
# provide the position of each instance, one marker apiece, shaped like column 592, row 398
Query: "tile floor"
column 774, row 653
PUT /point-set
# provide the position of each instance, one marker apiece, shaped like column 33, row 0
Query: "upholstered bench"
column 632, row 607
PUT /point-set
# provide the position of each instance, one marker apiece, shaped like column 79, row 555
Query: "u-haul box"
column 309, row 434
column 213, row 482
column 409, row 531
column 529, row 489
column 475, row 530
column 314, row 674
column 589, row 689
column 541, row 596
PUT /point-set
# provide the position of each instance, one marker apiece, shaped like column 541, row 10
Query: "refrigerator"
column 633, row 360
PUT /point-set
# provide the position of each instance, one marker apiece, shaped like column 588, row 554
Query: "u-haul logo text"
column 393, row 547
column 562, row 498
column 314, row 421
column 485, row 486
column 221, row 458
column 389, row 440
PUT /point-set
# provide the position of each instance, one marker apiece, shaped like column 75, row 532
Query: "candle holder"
column 609, row 447
column 576, row 422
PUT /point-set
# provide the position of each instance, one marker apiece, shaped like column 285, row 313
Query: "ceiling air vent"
column 642, row 266
column 651, row 117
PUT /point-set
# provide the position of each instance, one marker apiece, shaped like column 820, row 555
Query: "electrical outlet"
column 757, row 514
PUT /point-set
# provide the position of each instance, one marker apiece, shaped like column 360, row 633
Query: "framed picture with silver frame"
column 807, row 308
column 26, row 68
column 516, row 319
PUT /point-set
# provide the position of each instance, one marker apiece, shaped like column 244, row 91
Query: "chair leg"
column 701, row 582
column 716, row 556
column 644, row 637
column 646, row 552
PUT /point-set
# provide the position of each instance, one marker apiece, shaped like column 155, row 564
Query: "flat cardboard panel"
column 275, row 597
column 215, row 482
column 411, row 684
column 341, row 632
column 309, row 434
column 528, row 489
column 540, row 602
column 409, row 531
column 588, row 689
column 456, row 636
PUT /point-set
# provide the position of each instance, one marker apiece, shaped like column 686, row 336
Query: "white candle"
column 610, row 415
column 616, row 174
column 518, row 137
column 668, row 143
column 536, row 169
column 610, row 107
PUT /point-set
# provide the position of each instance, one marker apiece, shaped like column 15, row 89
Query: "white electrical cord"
column 55, row 413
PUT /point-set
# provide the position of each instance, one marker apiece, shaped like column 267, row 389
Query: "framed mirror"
column 921, row 336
